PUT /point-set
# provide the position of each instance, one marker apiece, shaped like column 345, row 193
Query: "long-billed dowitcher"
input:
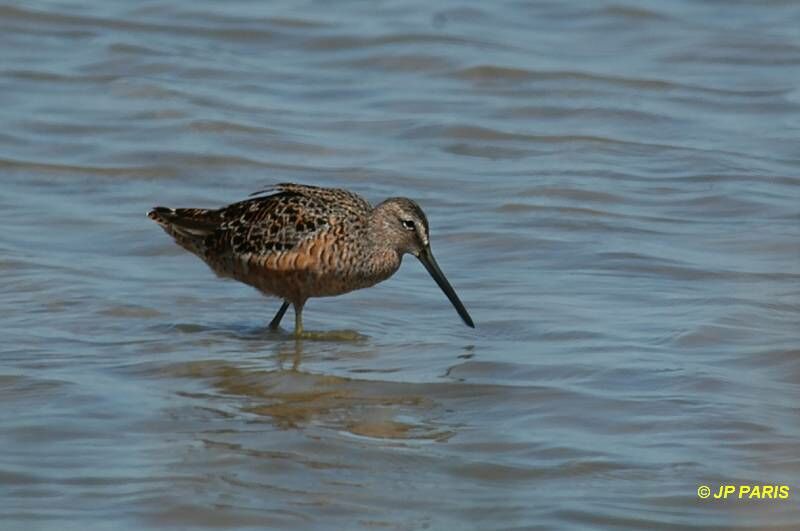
column 295, row 242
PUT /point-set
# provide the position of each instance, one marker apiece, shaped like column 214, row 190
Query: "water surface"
column 612, row 188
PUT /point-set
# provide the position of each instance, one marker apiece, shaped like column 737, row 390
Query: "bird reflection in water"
column 293, row 398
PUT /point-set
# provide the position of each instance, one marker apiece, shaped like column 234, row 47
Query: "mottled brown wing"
column 283, row 220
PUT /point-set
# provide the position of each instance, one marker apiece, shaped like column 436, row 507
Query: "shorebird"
column 295, row 242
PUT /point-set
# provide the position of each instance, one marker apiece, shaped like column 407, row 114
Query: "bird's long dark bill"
column 426, row 257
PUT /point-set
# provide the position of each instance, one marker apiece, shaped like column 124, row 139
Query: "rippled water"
column 613, row 190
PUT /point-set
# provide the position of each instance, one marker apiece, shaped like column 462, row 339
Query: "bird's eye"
column 408, row 224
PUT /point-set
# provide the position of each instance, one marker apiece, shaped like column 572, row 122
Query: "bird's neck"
column 382, row 260
column 376, row 229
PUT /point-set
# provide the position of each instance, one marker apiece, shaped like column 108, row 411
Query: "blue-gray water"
column 612, row 188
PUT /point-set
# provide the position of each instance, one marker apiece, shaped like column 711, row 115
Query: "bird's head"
column 402, row 225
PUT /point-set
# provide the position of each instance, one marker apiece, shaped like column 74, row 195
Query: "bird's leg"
column 276, row 321
column 298, row 319
column 299, row 333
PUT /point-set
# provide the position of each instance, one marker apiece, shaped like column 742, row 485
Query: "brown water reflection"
column 612, row 186
column 292, row 398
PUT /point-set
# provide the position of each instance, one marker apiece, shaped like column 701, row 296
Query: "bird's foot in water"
column 330, row 335
column 322, row 335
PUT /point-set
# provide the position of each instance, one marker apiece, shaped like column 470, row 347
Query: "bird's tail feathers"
column 198, row 222
column 188, row 226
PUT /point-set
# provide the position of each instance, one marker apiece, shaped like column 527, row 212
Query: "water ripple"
column 612, row 188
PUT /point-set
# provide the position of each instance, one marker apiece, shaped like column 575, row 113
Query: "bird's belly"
column 330, row 284
column 300, row 283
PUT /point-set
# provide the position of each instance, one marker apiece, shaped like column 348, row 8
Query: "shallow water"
column 613, row 190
